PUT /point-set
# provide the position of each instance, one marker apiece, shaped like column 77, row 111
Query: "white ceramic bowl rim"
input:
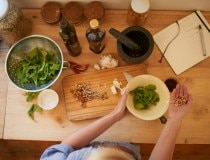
column 154, row 112
column 48, row 99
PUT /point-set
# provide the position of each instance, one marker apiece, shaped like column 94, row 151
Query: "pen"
column 202, row 40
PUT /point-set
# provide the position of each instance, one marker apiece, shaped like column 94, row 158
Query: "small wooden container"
column 94, row 10
column 138, row 12
column 51, row 12
column 73, row 12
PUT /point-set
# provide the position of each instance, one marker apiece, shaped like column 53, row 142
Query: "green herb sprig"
column 30, row 96
column 34, row 108
column 145, row 96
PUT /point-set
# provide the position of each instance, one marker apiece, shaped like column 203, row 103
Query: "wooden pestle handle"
column 125, row 40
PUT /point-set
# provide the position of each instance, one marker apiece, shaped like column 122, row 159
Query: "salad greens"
column 38, row 68
column 34, row 108
column 30, row 96
column 145, row 96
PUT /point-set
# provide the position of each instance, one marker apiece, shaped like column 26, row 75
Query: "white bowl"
column 153, row 112
column 48, row 99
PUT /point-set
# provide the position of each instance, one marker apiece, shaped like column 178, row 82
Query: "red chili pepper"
column 77, row 68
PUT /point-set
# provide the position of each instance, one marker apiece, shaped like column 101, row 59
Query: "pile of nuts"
column 84, row 93
column 179, row 101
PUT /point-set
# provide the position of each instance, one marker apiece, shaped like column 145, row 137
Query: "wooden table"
column 54, row 125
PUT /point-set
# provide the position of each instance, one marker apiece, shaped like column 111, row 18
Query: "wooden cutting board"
column 99, row 81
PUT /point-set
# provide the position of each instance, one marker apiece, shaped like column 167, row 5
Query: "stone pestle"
column 125, row 40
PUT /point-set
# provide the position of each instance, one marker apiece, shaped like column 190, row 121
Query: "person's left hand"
column 120, row 109
column 177, row 109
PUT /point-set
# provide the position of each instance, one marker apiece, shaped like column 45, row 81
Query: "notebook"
column 183, row 44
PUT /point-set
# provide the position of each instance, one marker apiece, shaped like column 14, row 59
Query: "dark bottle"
column 95, row 36
column 69, row 36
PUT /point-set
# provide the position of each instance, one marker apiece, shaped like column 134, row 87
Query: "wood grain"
column 100, row 81
column 3, row 86
column 54, row 125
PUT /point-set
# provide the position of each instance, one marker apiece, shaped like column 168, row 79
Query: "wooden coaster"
column 72, row 12
column 51, row 12
column 94, row 10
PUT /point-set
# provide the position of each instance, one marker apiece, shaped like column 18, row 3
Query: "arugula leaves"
column 30, row 96
column 34, row 108
column 38, row 68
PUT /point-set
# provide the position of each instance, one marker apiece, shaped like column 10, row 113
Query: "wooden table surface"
column 54, row 125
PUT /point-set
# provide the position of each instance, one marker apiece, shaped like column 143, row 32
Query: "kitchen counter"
column 54, row 125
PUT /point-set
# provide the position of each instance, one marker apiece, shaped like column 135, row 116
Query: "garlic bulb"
column 108, row 62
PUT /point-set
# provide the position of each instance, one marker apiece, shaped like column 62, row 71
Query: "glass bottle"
column 95, row 37
column 69, row 36
column 138, row 12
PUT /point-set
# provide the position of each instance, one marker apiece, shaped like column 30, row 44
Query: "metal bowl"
column 20, row 50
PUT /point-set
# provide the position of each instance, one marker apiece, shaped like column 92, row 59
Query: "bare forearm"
column 85, row 135
column 164, row 148
column 165, row 145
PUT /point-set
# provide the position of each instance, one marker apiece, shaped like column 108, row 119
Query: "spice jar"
column 95, row 36
column 13, row 24
column 138, row 12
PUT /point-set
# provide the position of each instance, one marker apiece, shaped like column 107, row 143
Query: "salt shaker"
column 13, row 24
column 138, row 12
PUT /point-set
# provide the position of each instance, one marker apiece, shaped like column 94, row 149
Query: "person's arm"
column 85, row 135
column 164, row 147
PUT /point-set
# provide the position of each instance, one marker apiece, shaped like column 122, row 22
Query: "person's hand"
column 180, row 102
column 120, row 109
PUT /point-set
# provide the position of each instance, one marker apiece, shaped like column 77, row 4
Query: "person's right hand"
column 178, row 111
column 120, row 109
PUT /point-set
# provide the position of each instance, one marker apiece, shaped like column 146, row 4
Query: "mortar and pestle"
column 134, row 44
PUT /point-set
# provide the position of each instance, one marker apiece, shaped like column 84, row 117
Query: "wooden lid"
column 51, row 12
column 94, row 10
column 72, row 12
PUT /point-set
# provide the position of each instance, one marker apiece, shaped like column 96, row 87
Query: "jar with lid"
column 96, row 37
column 69, row 37
column 138, row 12
column 13, row 24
